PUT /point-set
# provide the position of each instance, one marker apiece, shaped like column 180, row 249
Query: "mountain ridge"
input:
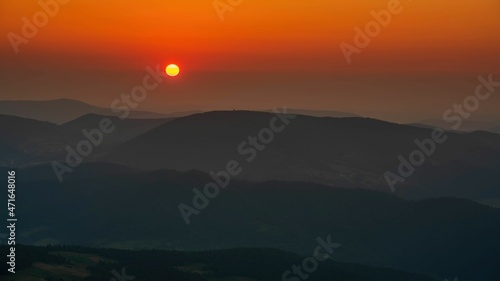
column 332, row 151
column 60, row 111
column 134, row 210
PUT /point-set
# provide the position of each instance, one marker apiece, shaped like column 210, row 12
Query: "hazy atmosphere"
column 236, row 140
column 263, row 54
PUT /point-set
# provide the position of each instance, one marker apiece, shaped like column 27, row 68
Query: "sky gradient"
column 264, row 54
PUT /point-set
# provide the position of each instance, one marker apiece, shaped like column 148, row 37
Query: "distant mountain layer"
column 347, row 152
column 126, row 129
column 30, row 141
column 64, row 110
column 495, row 130
column 107, row 206
column 466, row 125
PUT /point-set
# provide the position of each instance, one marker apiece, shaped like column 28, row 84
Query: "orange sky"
column 429, row 36
column 260, row 33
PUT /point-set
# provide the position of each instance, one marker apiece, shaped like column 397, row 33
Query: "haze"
column 263, row 54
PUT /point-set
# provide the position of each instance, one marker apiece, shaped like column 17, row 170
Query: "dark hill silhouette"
column 475, row 122
column 20, row 129
column 26, row 140
column 347, row 152
column 438, row 237
column 64, row 110
column 31, row 141
column 468, row 125
column 230, row 264
column 495, row 130
column 126, row 129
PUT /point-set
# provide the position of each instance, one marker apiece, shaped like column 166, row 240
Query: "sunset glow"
column 450, row 37
column 258, row 45
column 250, row 140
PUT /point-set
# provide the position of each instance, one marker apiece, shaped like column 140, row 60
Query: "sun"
column 172, row 70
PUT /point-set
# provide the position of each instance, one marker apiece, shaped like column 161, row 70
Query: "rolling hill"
column 126, row 129
column 495, row 130
column 475, row 122
column 346, row 152
column 64, row 110
column 32, row 142
column 112, row 207
column 29, row 140
column 86, row 264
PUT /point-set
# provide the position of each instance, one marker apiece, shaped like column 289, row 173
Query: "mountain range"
column 495, row 129
column 32, row 141
column 332, row 151
column 346, row 152
column 300, row 177
column 64, row 110
column 251, row 264
column 112, row 206
column 474, row 123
